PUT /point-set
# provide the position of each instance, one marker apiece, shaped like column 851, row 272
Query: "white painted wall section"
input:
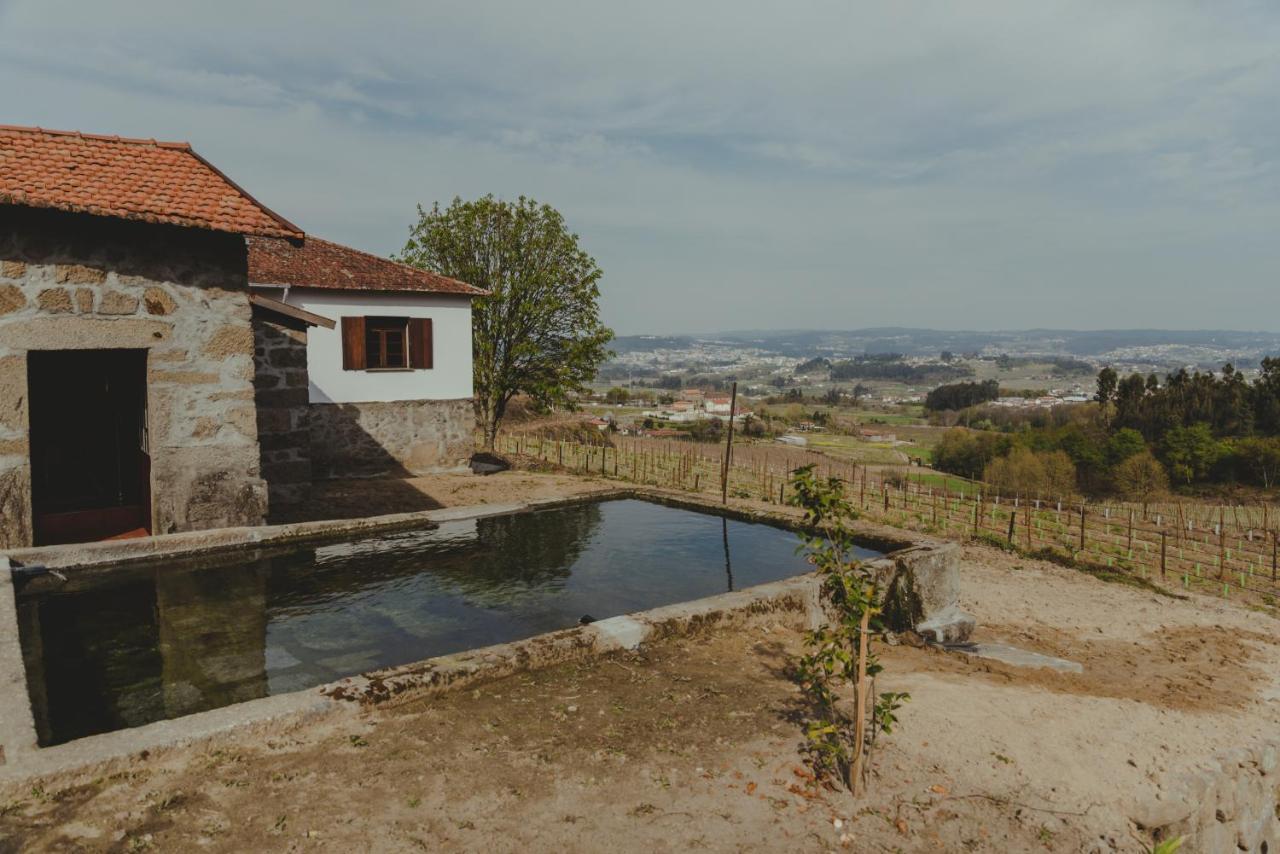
column 448, row 379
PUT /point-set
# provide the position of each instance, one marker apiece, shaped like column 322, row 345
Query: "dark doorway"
column 90, row 468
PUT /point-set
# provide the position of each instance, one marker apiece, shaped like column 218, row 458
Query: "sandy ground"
column 694, row 743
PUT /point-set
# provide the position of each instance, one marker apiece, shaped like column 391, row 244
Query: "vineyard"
column 1222, row 549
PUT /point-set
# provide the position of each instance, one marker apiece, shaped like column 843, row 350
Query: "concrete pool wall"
column 20, row 755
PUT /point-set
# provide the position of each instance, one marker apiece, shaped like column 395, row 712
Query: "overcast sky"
column 733, row 164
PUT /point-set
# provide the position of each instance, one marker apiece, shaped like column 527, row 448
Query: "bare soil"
column 695, row 743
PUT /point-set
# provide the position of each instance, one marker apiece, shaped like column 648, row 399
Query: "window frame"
column 417, row 342
column 380, row 329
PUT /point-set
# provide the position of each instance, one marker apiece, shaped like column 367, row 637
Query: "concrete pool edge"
column 21, row 757
column 193, row 544
column 79, row 557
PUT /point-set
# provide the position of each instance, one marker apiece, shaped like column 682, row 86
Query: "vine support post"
column 860, row 707
column 728, row 447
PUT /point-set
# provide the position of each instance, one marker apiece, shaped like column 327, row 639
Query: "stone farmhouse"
column 175, row 356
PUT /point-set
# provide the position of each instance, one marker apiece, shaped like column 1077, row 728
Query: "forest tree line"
column 1141, row 437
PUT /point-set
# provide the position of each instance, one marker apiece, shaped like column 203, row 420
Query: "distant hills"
column 1195, row 347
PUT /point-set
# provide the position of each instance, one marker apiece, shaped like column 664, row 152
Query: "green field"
column 853, row 449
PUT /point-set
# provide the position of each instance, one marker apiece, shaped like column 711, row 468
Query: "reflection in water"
column 132, row 648
column 728, row 567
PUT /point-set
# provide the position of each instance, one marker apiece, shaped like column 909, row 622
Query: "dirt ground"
column 693, row 743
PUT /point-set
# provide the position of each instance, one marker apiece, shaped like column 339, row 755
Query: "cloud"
column 746, row 164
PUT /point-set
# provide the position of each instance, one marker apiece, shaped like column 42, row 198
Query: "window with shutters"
column 386, row 343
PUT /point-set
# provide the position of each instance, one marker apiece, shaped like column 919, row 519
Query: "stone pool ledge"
column 790, row 599
column 793, row 599
column 194, row 544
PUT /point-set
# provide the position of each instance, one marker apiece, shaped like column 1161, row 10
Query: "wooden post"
column 728, row 447
column 1026, row 521
column 1013, row 516
column 1163, row 542
column 977, row 511
column 1081, row 527
column 1130, row 549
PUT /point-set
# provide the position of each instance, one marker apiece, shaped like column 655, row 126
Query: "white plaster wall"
column 449, row 379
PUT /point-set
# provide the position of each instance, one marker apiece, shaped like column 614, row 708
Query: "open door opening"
column 90, row 462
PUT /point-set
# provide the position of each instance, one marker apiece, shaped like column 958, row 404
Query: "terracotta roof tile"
column 318, row 263
column 139, row 179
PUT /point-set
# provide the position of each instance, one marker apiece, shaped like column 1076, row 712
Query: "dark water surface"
column 169, row 641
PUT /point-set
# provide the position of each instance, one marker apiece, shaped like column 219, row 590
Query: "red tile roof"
column 318, row 263
column 139, row 179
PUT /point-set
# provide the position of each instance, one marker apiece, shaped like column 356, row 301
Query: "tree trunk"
column 488, row 423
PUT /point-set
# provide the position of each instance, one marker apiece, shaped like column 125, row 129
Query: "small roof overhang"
column 291, row 311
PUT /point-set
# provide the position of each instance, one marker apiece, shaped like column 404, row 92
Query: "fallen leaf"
column 938, row 789
column 901, row 824
column 751, row 787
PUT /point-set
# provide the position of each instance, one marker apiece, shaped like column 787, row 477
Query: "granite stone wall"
column 1228, row 803
column 284, row 415
column 399, row 438
column 73, row 281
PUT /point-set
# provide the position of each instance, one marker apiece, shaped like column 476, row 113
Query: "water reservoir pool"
column 137, row 646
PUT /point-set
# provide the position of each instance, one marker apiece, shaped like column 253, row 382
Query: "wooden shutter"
column 421, row 347
column 353, row 357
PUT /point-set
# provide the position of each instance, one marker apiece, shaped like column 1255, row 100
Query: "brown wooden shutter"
column 353, row 357
column 421, row 347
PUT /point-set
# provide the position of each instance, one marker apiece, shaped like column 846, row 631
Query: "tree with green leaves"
column 1191, row 451
column 1260, row 457
column 538, row 332
column 1141, row 477
column 1108, row 379
column 840, row 652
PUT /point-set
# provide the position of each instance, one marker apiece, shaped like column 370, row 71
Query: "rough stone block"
column 79, row 274
column 13, row 391
column 919, row 583
column 272, row 422
column 15, row 507
column 54, row 300
column 12, row 269
column 157, row 301
column 84, row 300
column 185, row 377
column 230, row 340
column 281, row 398
column 950, row 625
column 11, row 299
column 287, row 357
column 117, row 303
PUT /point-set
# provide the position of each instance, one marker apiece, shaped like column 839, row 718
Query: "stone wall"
column 72, row 281
column 284, row 416
column 1228, row 804
column 404, row 438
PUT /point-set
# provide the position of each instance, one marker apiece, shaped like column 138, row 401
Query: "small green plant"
column 839, row 653
column 1168, row 846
